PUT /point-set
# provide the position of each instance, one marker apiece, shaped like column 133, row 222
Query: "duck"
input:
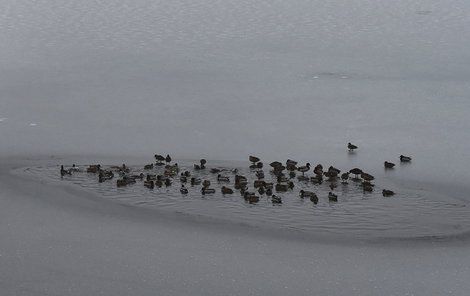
column 167, row 158
column 226, row 190
column 159, row 181
column 121, row 183
column 206, row 183
column 331, row 175
column 304, row 169
column 276, row 199
column 183, row 190
column 290, row 184
column 356, row 172
column 201, row 165
column 345, row 177
column 167, row 182
column 269, row 192
column 253, row 159
column 149, row 184
column 206, row 190
column 258, row 183
column 64, row 172
column 281, row 187
column 314, row 199
column 74, row 168
column 148, row 167
column 261, row 190
column 367, row 187
column 195, row 181
column 335, row 170
column 291, row 163
column 93, row 168
column 151, row 177
column 268, row 185
column 292, row 175
column 221, row 178
column 387, row 193
column 275, row 164
column 159, row 158
column 260, row 174
column 332, row 197
column 367, row 177
column 215, row 170
column 251, row 197
column 389, row 165
column 351, row 147
column 405, row 158
column 281, row 179
column 105, row 175
column 318, row 179
column 304, row 193
column 333, row 186
column 318, row 170
column 183, row 178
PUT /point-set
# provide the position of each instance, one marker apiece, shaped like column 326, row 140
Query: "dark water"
column 410, row 213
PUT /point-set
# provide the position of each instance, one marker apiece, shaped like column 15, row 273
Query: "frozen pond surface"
column 411, row 213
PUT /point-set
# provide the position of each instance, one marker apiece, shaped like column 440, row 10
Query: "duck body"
column 226, row 190
column 387, row 193
column 183, row 190
column 195, row 181
column 149, row 184
column 148, row 167
column 389, row 165
column 258, row 183
column 221, row 178
column 356, row 172
column 352, row 147
column 281, row 187
column 205, row 190
column 253, row 159
column 332, row 197
column 276, row 199
column 404, row 158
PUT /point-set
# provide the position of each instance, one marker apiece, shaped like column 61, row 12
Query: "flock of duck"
column 283, row 177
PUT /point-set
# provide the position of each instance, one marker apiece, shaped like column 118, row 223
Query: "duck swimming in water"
column 206, row 183
column 159, row 158
column 148, row 167
column 168, row 158
column 387, row 193
column 201, row 165
column 345, row 177
column 332, row 197
column 276, row 199
column 226, row 190
column 304, row 193
column 251, row 197
column 149, row 184
column 205, row 190
column 183, row 190
column 388, row 165
column 221, row 178
column 195, row 181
